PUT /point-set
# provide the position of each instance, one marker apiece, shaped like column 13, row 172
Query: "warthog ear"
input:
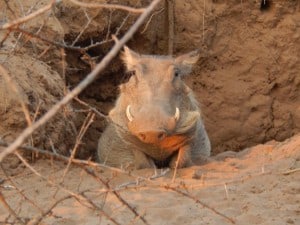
column 130, row 58
column 184, row 63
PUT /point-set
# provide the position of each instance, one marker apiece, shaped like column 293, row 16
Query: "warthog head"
column 152, row 102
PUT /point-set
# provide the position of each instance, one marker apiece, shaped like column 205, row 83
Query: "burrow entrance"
column 247, row 80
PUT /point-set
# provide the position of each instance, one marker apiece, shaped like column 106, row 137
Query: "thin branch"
column 36, row 220
column 89, row 20
column 201, row 203
column 82, row 85
column 171, row 26
column 29, row 17
column 91, row 108
column 14, row 184
column 291, row 171
column 119, row 197
column 88, row 121
column 83, row 163
column 150, row 19
column 137, row 182
column 78, row 196
column 58, row 44
column 7, row 206
column 101, row 211
column 54, row 154
column 109, row 6
column 176, row 166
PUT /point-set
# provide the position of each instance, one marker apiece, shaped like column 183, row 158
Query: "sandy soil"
column 259, row 185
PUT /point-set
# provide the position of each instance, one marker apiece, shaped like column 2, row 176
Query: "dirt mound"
column 39, row 88
column 259, row 185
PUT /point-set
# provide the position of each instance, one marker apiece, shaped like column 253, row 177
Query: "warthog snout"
column 152, row 136
column 151, row 124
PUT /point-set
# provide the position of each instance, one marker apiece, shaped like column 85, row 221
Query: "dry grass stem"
column 291, row 171
column 108, row 6
column 232, row 221
column 11, row 211
column 117, row 194
column 171, row 26
column 150, row 19
column 86, row 124
column 28, row 17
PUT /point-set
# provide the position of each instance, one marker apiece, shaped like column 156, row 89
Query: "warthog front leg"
column 182, row 158
column 142, row 161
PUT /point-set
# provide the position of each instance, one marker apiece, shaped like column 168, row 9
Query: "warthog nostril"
column 142, row 136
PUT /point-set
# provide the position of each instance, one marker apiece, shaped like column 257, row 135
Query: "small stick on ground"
column 11, row 211
column 10, row 179
column 119, row 197
column 201, row 203
column 36, row 220
column 176, row 166
column 291, row 171
column 86, row 124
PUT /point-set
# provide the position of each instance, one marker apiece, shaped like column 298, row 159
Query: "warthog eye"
column 176, row 72
column 127, row 76
column 131, row 72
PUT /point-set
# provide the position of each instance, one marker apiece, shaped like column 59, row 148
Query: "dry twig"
column 117, row 194
column 11, row 211
column 108, row 6
column 54, row 154
column 201, row 203
column 150, row 19
column 20, row 191
column 36, row 220
column 97, row 112
column 171, row 25
column 291, row 171
column 83, row 200
column 29, row 17
column 88, row 121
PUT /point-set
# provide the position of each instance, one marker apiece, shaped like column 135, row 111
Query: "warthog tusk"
column 177, row 114
column 128, row 113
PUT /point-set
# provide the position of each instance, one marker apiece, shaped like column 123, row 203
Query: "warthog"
column 156, row 120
